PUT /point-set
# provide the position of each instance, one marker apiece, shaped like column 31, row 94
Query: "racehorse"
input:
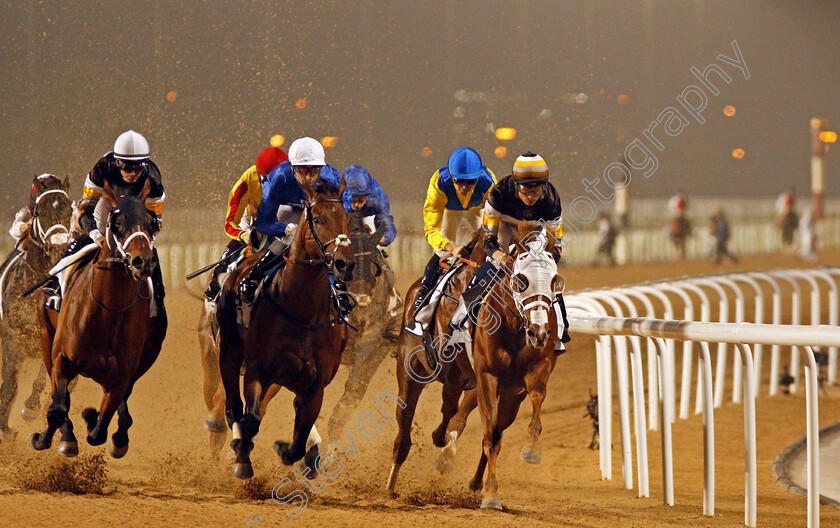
column 415, row 370
column 515, row 358
column 104, row 330
column 376, row 322
column 41, row 247
column 293, row 340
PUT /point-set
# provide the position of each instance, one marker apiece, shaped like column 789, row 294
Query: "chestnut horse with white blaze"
column 104, row 331
column 295, row 338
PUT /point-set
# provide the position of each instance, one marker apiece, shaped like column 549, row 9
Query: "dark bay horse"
column 376, row 321
column 41, row 247
column 294, row 338
column 414, row 371
column 104, row 331
column 516, row 358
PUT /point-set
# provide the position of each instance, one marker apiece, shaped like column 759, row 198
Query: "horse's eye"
column 316, row 220
column 118, row 223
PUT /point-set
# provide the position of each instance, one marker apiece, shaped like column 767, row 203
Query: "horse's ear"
column 309, row 190
column 66, row 183
column 37, row 182
column 341, row 186
column 144, row 193
column 109, row 194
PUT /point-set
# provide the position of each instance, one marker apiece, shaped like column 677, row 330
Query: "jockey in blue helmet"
column 365, row 195
column 455, row 192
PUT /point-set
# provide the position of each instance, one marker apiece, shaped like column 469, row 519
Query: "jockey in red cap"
column 246, row 194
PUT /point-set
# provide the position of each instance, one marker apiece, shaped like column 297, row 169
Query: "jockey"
column 365, row 195
column 126, row 169
column 527, row 195
column 246, row 194
column 282, row 204
column 455, row 192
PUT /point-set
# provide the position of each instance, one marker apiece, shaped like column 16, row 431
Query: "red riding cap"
column 269, row 159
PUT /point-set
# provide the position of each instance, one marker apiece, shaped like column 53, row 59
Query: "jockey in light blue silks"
column 281, row 208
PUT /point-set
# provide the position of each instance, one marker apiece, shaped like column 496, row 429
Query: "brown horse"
column 515, row 358
column 414, row 371
column 294, row 338
column 103, row 330
column 40, row 249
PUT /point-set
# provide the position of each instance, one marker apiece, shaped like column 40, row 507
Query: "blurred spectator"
column 606, row 240
column 788, row 220
column 679, row 228
column 720, row 229
column 808, row 235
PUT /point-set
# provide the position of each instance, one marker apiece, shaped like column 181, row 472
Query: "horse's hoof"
column 531, row 456
column 117, row 452
column 29, row 415
column 92, row 440
column 309, row 460
column 242, row 470
column 282, row 450
column 35, row 440
column 68, row 449
column 215, row 425
column 491, row 503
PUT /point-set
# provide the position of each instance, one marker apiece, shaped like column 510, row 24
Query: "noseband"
column 44, row 236
column 119, row 253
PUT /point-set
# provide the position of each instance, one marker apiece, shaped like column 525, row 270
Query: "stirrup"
column 53, row 303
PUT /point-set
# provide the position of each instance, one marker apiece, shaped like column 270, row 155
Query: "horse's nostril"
column 138, row 262
column 339, row 265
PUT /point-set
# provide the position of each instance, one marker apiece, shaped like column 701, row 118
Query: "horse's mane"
column 324, row 186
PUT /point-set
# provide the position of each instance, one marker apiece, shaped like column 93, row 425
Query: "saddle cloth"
column 424, row 316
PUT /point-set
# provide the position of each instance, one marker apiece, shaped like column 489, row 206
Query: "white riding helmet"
column 131, row 146
column 306, row 151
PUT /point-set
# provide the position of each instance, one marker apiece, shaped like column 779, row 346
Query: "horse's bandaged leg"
column 152, row 303
column 313, row 439
column 561, row 329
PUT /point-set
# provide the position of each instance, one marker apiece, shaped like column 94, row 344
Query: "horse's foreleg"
column 118, row 446
column 306, row 412
column 247, row 427
column 488, row 402
column 508, row 409
column 62, row 373
column 9, row 387
column 98, row 422
column 33, row 403
column 357, row 384
column 68, row 446
column 535, row 382
column 410, row 390
column 449, row 407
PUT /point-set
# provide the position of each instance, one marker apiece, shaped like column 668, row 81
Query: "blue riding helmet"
column 358, row 180
column 465, row 164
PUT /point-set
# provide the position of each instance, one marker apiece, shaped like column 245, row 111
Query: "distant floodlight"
column 500, row 152
column 738, row 153
column 277, row 140
column 505, row 133
column 329, row 141
column 729, row 110
column 828, row 136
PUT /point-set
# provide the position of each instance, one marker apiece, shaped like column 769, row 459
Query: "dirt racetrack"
column 169, row 479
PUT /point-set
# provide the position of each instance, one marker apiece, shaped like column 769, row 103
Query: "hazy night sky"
column 383, row 76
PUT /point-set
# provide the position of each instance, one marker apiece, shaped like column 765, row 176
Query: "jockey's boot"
column 52, row 289
column 214, row 287
column 248, row 286
column 344, row 300
column 484, row 279
column 430, row 278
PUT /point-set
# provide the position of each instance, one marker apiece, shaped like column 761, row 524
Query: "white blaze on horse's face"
column 532, row 285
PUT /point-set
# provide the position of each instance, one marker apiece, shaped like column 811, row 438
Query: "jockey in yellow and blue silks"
column 364, row 195
column 456, row 191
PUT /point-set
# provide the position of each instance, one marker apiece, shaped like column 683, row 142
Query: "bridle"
column 44, row 236
column 327, row 258
column 122, row 257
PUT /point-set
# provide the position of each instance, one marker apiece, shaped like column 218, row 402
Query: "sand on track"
column 168, row 478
